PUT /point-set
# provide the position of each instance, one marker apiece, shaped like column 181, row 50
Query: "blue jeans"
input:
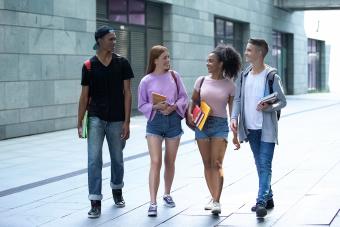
column 98, row 129
column 263, row 154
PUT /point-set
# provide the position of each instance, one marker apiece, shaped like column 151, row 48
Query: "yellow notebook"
column 206, row 110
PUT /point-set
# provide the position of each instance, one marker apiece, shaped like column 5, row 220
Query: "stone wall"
column 42, row 46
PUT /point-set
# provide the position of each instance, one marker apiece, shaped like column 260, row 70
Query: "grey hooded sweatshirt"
column 269, row 125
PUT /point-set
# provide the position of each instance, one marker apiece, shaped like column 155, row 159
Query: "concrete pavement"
column 44, row 181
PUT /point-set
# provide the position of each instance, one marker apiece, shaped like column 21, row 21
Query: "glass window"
column 219, row 27
column 127, row 11
column 313, row 65
column 117, row 10
column 229, row 33
column 137, row 12
column 229, row 28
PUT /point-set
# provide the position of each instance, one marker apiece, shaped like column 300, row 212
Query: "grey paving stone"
column 197, row 221
column 297, row 185
column 313, row 209
column 24, row 220
column 336, row 221
column 247, row 220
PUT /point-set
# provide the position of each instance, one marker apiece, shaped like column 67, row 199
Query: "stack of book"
column 270, row 99
column 197, row 115
column 200, row 114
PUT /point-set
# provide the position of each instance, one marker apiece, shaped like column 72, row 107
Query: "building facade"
column 43, row 44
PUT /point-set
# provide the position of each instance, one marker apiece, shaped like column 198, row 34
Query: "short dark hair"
column 260, row 43
column 100, row 33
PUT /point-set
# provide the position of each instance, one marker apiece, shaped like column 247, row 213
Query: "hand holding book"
column 269, row 99
column 157, row 98
column 197, row 115
column 200, row 114
column 266, row 101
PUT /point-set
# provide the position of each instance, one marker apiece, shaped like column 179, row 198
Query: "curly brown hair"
column 231, row 60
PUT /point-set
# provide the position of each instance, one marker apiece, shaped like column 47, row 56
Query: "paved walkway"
column 44, row 181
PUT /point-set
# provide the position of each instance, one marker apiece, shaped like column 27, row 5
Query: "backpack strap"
column 202, row 80
column 87, row 64
column 175, row 79
column 243, row 74
column 270, row 77
column 199, row 93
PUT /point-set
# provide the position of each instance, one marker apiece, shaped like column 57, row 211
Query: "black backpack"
column 270, row 78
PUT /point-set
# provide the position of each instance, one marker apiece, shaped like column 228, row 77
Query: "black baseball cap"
column 101, row 32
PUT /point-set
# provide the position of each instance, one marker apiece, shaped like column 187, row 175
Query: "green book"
column 84, row 127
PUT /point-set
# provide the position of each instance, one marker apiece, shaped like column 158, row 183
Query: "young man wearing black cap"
column 106, row 94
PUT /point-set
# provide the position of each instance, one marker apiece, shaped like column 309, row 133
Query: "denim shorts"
column 214, row 127
column 165, row 126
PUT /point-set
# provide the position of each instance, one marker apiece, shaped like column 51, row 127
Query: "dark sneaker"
column 152, row 212
column 118, row 198
column 168, row 201
column 270, row 205
column 261, row 210
column 95, row 209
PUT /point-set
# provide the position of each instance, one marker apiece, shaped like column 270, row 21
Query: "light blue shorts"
column 214, row 127
column 165, row 126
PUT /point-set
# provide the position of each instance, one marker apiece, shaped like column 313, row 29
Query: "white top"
column 254, row 91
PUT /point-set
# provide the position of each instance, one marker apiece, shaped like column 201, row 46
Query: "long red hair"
column 155, row 52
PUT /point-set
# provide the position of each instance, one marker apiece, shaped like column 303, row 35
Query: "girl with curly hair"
column 217, row 89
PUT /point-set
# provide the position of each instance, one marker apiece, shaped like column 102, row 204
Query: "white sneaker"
column 216, row 208
column 209, row 205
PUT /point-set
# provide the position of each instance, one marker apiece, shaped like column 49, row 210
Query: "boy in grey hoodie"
column 255, row 121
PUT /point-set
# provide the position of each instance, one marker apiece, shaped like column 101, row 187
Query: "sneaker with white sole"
column 209, row 205
column 117, row 195
column 168, row 201
column 95, row 209
column 152, row 212
column 216, row 208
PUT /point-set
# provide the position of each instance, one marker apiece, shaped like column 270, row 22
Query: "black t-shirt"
column 106, row 87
